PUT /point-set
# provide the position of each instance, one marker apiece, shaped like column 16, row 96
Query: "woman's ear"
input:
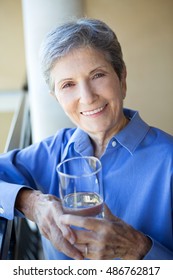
column 123, row 82
column 52, row 93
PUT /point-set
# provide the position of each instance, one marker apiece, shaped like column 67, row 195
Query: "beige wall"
column 145, row 31
column 5, row 123
column 12, row 57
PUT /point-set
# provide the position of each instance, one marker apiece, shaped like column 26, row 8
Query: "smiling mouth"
column 93, row 112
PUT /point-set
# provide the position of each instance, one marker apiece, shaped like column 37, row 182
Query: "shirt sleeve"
column 158, row 252
column 7, row 200
column 13, row 176
column 30, row 167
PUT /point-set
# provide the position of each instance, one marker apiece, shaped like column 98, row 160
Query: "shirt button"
column 114, row 143
column 1, row 210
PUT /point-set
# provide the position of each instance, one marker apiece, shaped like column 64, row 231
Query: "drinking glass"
column 80, row 186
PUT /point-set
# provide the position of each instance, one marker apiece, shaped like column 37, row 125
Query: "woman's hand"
column 45, row 211
column 108, row 238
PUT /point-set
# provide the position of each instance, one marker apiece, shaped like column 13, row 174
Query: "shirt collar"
column 132, row 135
column 81, row 142
column 129, row 137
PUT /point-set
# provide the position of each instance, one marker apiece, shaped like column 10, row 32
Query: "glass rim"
column 78, row 176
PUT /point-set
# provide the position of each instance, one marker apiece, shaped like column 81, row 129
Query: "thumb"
column 108, row 214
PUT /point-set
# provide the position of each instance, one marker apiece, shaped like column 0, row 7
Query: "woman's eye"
column 98, row 75
column 67, row 85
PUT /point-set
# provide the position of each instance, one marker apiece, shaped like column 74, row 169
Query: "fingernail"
column 79, row 257
column 72, row 240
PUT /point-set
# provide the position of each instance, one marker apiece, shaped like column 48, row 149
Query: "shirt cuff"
column 7, row 200
column 158, row 252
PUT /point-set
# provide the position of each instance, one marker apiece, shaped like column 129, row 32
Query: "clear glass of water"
column 80, row 186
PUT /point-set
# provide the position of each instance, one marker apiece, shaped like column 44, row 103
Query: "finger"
column 71, row 250
column 108, row 214
column 85, row 250
column 65, row 229
column 84, row 222
column 68, row 233
column 85, row 236
column 93, row 252
column 60, row 243
column 45, row 232
column 80, row 247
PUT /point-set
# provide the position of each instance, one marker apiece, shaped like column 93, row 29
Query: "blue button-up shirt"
column 137, row 178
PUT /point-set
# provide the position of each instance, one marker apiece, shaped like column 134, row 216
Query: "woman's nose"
column 87, row 94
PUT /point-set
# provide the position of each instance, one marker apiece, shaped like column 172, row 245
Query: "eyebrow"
column 63, row 80
column 98, row 68
column 90, row 73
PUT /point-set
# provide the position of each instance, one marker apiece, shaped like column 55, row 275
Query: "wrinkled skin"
column 46, row 211
column 106, row 238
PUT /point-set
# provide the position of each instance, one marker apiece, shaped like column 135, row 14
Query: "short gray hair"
column 78, row 33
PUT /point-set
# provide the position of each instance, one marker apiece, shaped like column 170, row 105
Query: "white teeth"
column 89, row 113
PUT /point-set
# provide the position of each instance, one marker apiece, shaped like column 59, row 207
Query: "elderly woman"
column 83, row 65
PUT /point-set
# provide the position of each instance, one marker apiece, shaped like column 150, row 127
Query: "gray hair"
column 82, row 32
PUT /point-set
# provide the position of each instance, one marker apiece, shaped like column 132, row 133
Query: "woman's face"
column 89, row 90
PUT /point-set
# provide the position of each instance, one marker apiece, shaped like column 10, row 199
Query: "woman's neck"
column 101, row 139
